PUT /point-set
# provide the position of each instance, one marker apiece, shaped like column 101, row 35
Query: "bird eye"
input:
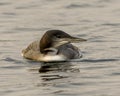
column 58, row 36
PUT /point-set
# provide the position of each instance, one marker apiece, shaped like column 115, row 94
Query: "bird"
column 54, row 46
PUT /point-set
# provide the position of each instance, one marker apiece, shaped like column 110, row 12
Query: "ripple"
column 94, row 60
column 12, row 67
column 78, row 6
column 8, row 40
column 27, row 6
column 9, row 13
column 8, row 59
column 30, row 29
column 27, row 29
column 115, row 74
column 72, row 6
column 4, row 3
column 63, row 24
column 111, row 24
column 104, row 1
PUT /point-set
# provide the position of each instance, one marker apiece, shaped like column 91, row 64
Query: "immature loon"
column 55, row 45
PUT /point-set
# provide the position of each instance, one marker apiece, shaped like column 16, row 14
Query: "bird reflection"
column 52, row 71
column 61, row 66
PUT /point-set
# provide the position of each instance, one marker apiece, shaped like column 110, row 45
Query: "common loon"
column 55, row 45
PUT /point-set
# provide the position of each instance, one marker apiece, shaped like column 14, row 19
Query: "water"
column 96, row 74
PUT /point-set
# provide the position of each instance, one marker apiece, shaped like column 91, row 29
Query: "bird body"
column 55, row 45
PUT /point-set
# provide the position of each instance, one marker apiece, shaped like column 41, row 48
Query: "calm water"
column 96, row 74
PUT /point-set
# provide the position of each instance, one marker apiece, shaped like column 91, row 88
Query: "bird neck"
column 45, row 43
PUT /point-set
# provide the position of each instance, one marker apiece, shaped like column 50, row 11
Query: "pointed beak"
column 75, row 39
column 69, row 39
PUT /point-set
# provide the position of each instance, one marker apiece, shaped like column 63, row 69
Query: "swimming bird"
column 55, row 45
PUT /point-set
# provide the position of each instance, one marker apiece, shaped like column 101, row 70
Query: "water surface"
column 96, row 74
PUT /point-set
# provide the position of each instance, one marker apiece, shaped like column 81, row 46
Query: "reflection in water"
column 51, row 70
column 52, row 77
column 61, row 66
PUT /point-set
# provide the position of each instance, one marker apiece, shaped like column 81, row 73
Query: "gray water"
column 97, row 73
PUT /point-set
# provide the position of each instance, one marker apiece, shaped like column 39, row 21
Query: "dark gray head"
column 56, row 38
